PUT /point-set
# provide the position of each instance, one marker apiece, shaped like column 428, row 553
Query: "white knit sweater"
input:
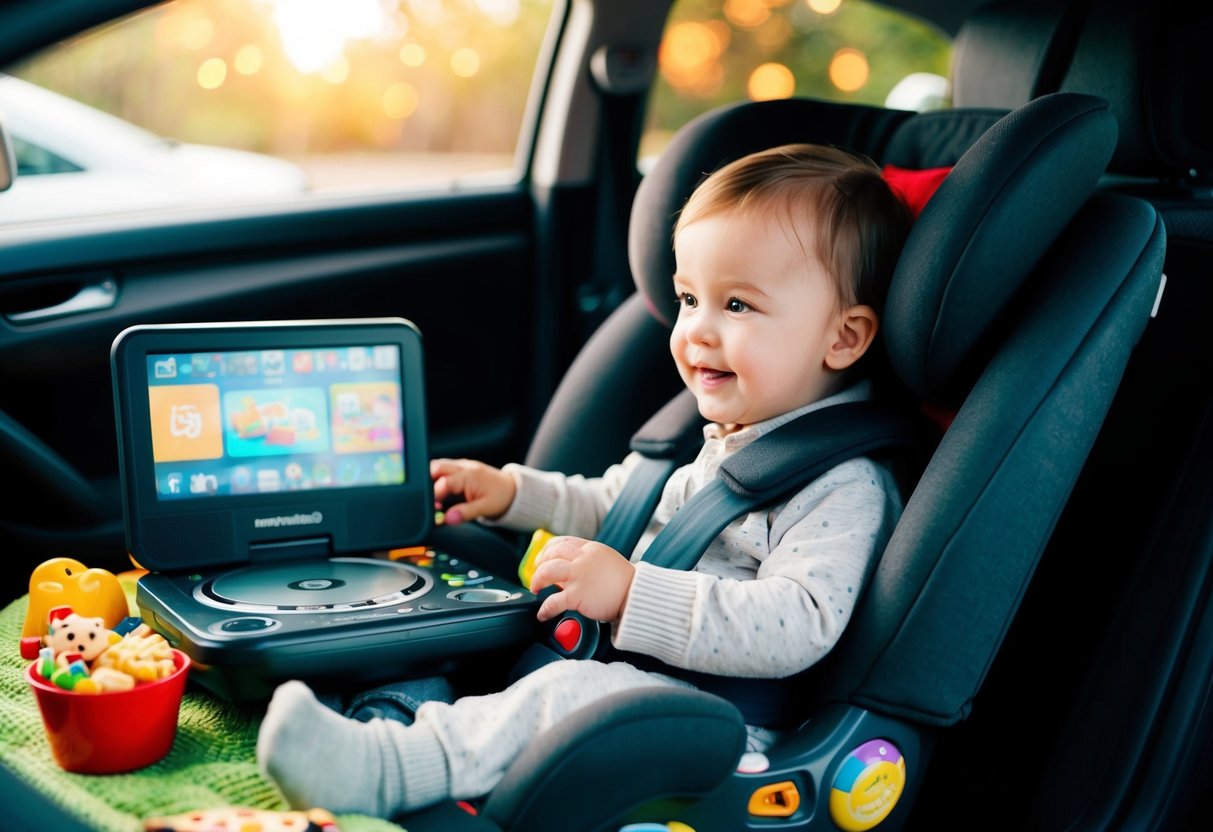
column 772, row 594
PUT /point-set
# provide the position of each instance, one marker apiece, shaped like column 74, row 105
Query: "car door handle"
column 91, row 298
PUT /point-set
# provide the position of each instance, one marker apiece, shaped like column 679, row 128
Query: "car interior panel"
column 1035, row 642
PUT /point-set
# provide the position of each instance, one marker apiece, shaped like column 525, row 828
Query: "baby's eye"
column 737, row 305
column 686, row 299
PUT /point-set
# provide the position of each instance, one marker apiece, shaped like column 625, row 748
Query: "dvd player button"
column 481, row 596
column 430, row 605
column 245, row 625
column 567, row 634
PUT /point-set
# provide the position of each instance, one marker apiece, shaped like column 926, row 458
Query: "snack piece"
column 142, row 653
column 110, row 679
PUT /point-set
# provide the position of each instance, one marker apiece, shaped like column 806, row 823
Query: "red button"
column 568, row 634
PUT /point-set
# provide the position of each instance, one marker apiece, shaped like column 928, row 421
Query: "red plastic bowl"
column 111, row 732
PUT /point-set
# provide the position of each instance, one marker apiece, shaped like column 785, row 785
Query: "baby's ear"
column 854, row 330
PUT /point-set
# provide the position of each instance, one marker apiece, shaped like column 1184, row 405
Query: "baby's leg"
column 483, row 735
column 321, row 759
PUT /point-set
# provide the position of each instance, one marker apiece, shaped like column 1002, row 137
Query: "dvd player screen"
column 264, row 421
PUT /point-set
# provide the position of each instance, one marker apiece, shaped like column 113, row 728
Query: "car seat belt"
column 667, row 440
column 772, row 466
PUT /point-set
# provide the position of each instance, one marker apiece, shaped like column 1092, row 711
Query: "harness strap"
column 666, row 441
column 786, row 459
column 772, row 467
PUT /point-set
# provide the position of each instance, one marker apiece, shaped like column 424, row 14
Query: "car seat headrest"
column 976, row 241
column 1017, row 179
column 713, row 140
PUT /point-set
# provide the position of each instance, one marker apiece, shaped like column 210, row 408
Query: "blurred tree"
column 712, row 48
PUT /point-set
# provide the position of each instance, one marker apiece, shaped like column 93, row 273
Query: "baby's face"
column 757, row 314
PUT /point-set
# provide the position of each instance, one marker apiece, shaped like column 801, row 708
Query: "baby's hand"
column 486, row 491
column 594, row 579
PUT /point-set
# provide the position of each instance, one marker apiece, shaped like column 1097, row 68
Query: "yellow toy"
column 65, row 582
column 526, row 568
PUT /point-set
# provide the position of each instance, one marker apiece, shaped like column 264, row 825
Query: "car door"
column 458, row 254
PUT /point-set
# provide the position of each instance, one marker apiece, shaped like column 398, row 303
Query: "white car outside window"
column 74, row 160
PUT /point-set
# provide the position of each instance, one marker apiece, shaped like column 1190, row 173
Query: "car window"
column 202, row 100
column 33, row 160
column 716, row 52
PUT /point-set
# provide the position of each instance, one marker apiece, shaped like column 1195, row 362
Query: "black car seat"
column 1004, row 315
column 1136, row 536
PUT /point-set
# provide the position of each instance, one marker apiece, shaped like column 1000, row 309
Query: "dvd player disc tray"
column 335, row 621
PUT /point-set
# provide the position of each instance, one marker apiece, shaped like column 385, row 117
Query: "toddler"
column 783, row 260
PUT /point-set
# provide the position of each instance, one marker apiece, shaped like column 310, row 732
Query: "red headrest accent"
column 914, row 187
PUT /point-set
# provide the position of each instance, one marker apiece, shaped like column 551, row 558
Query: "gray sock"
column 320, row 759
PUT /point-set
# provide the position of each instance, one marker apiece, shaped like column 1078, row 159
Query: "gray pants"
column 482, row 735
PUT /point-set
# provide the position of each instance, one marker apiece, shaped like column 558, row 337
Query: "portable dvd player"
column 275, row 481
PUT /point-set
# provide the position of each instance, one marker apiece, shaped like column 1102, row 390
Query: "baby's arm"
column 536, row 499
column 794, row 610
column 486, row 491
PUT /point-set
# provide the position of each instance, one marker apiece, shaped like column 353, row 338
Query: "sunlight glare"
column 502, row 12
column 314, row 32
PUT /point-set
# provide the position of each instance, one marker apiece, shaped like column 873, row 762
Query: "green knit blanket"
column 212, row 762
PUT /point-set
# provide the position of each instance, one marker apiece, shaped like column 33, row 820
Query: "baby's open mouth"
column 711, row 377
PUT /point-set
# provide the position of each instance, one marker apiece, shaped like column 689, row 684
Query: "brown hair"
column 860, row 223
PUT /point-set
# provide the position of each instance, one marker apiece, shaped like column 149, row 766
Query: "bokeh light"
column 197, row 33
column 465, row 62
column 400, row 100
column 770, row 81
column 824, row 6
column 774, row 34
column 412, row 54
column 690, row 56
column 849, row 69
column 212, row 73
column 249, row 59
column 747, row 14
